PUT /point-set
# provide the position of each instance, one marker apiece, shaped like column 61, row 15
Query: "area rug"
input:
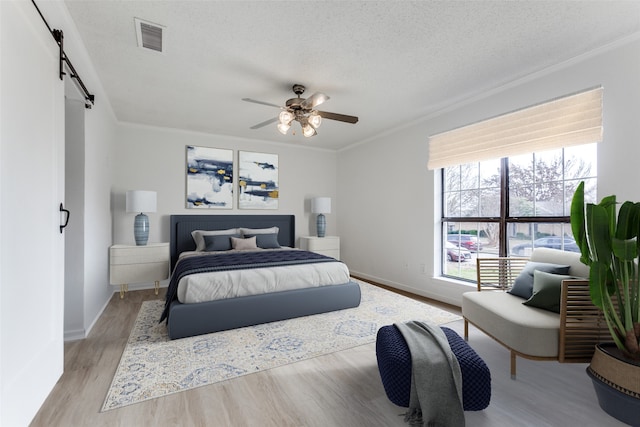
column 152, row 366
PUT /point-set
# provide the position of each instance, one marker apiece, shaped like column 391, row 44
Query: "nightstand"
column 138, row 264
column 329, row 245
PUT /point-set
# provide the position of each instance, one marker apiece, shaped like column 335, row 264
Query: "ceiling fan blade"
column 338, row 117
column 316, row 99
column 263, row 124
column 261, row 102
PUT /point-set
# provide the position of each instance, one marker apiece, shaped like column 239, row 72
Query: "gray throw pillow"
column 547, row 288
column 218, row 242
column 198, row 236
column 265, row 241
column 523, row 285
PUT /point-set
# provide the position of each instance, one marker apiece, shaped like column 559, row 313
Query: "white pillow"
column 198, row 236
column 271, row 230
column 244, row 244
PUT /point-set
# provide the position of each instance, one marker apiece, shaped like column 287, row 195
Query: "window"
column 508, row 206
column 508, row 181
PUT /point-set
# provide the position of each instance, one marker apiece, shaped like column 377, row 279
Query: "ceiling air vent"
column 149, row 34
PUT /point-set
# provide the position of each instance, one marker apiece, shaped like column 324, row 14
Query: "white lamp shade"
column 141, row 201
column 321, row 205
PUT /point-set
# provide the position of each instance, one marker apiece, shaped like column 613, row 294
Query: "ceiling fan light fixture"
column 283, row 128
column 308, row 130
column 315, row 119
column 286, row 117
column 302, row 111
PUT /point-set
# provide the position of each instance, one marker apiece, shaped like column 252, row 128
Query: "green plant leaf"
column 598, row 274
column 627, row 221
column 599, row 233
column 578, row 223
column 625, row 250
column 609, row 204
column 636, row 208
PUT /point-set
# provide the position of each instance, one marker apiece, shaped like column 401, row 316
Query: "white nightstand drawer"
column 138, row 273
column 124, row 254
column 322, row 243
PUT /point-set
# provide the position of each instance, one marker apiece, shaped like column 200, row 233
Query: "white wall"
column 149, row 158
column 100, row 134
column 390, row 202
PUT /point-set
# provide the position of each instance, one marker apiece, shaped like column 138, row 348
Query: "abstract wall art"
column 258, row 180
column 209, row 178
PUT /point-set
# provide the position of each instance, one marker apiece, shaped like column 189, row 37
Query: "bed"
column 186, row 319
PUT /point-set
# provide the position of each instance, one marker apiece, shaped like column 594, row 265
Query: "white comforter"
column 236, row 283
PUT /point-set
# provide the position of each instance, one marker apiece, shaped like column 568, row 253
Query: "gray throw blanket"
column 436, row 379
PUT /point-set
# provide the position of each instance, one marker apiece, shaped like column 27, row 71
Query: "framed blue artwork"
column 257, row 180
column 209, row 178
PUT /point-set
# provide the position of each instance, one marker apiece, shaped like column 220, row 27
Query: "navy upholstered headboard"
column 183, row 225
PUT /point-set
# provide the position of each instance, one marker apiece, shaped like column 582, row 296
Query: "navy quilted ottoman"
column 394, row 364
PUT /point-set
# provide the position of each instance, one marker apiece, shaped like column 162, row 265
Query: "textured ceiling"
column 389, row 62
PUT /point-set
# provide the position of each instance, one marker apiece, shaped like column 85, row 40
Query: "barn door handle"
column 62, row 209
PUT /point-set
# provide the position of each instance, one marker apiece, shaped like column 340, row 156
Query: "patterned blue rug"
column 153, row 366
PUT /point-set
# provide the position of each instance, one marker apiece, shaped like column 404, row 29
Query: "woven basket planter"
column 617, row 383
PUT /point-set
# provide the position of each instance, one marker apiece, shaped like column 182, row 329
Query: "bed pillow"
column 220, row 242
column 243, row 244
column 198, row 236
column 265, row 241
column 523, row 285
column 254, row 231
column 547, row 288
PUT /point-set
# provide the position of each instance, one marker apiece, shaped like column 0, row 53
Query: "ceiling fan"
column 303, row 111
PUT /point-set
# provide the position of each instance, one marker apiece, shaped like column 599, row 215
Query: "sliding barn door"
column 32, row 188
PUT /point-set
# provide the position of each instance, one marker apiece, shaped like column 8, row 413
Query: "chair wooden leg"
column 513, row 365
column 466, row 330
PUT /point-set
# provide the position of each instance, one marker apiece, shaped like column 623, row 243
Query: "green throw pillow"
column 523, row 285
column 547, row 288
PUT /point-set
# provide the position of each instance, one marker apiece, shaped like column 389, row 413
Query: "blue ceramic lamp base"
column 141, row 229
column 321, row 225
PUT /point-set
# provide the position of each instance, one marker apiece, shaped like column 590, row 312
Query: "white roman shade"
column 571, row 120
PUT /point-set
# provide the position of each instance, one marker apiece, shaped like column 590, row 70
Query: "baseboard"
column 104, row 307
column 74, row 335
column 402, row 287
column 80, row 334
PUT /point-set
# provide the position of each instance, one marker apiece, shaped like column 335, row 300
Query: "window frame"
column 503, row 220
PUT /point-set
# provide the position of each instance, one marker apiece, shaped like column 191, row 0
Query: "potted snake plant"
column 610, row 245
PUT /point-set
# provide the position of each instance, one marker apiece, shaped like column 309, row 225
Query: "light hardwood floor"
column 339, row 389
